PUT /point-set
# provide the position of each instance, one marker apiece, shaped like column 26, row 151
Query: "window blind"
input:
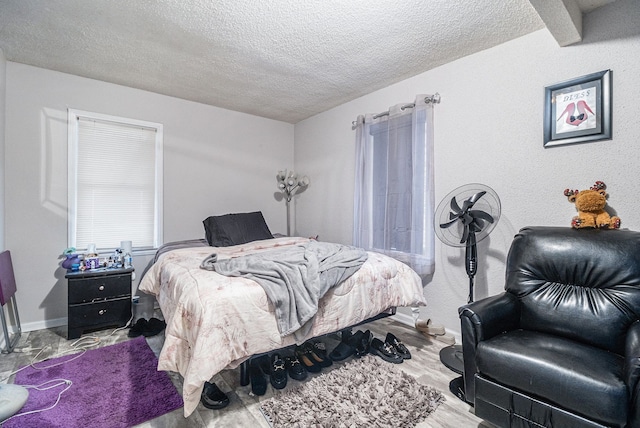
column 115, row 182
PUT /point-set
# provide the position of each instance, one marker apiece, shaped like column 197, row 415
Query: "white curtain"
column 394, row 188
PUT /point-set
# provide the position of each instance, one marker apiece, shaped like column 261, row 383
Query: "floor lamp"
column 289, row 184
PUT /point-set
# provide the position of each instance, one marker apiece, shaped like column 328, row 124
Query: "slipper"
column 344, row 349
column 138, row 328
column 153, row 327
column 426, row 326
column 444, row 338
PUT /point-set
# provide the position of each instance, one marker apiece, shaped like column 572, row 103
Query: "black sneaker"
column 278, row 372
column 213, row 398
column 295, row 369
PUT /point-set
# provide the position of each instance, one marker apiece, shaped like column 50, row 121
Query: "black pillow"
column 236, row 229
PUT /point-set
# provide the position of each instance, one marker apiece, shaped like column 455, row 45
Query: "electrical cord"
column 83, row 344
column 42, row 387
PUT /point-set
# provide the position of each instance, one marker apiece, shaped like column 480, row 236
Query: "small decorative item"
column 289, row 184
column 578, row 110
column 118, row 258
column 70, row 258
column 92, row 262
column 590, row 206
column 91, row 259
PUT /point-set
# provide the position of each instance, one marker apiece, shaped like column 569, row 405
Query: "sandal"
column 444, row 338
column 344, row 349
column 426, row 326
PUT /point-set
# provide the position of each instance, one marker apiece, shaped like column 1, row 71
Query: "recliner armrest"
column 480, row 321
column 632, row 356
column 491, row 316
column 632, row 371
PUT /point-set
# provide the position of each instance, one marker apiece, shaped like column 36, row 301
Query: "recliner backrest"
column 583, row 284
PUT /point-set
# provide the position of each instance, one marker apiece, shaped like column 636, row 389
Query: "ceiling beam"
column 563, row 19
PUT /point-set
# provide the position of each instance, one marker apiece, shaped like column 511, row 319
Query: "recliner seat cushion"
column 574, row 376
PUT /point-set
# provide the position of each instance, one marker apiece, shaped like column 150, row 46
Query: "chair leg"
column 10, row 342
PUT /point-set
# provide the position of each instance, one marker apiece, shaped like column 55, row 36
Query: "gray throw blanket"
column 296, row 278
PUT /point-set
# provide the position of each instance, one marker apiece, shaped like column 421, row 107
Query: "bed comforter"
column 216, row 322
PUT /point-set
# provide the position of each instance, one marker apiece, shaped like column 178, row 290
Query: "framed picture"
column 578, row 110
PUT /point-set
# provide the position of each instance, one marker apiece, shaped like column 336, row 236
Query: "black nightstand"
column 98, row 298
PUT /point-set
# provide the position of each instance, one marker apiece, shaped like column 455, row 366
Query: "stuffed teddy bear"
column 590, row 205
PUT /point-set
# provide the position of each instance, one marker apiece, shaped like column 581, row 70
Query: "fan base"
column 451, row 357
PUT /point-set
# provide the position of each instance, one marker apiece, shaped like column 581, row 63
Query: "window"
column 394, row 190
column 115, row 182
column 392, row 184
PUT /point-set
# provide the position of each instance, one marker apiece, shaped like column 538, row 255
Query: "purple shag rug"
column 114, row 386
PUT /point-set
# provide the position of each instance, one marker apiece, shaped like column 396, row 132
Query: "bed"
column 216, row 322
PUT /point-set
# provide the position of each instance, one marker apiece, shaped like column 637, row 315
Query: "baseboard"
column 32, row 326
column 403, row 318
column 41, row 325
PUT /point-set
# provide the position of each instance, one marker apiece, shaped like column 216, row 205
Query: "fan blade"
column 476, row 225
column 468, row 204
column 477, row 196
column 454, row 205
column 482, row 214
column 448, row 224
column 465, row 235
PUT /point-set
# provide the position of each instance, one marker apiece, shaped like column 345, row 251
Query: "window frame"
column 73, row 117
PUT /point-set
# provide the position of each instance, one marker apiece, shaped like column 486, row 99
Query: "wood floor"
column 243, row 411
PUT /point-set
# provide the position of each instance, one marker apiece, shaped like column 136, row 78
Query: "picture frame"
column 578, row 110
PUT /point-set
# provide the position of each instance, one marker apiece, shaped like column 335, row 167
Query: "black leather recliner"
column 561, row 346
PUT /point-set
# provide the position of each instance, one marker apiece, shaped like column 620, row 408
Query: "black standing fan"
column 465, row 217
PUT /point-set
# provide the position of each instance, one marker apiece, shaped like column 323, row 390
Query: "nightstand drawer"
column 98, row 298
column 112, row 312
column 83, row 290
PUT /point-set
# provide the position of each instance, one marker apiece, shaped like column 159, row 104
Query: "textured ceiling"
column 281, row 59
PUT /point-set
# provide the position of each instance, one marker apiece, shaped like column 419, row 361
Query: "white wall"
column 216, row 161
column 488, row 129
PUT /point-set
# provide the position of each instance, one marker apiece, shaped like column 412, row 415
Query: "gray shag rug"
column 364, row 392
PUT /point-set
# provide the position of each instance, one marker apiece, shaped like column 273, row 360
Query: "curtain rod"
column 431, row 99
